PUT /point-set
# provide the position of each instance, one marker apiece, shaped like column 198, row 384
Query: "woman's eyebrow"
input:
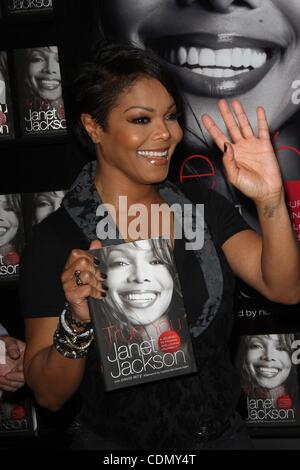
column 145, row 108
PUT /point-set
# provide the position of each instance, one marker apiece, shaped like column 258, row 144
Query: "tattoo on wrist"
column 269, row 211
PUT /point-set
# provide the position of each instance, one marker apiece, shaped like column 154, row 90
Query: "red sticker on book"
column 169, row 341
column 12, row 258
column 18, row 412
column 284, row 402
column 2, row 119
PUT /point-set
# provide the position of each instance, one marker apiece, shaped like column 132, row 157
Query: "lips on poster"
column 40, row 91
column 6, row 120
column 221, row 49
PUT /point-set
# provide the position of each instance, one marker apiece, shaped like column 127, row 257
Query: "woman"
column 127, row 104
column 222, row 48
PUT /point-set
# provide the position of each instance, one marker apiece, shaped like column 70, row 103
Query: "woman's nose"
column 138, row 274
column 268, row 354
column 162, row 132
column 51, row 66
column 222, row 6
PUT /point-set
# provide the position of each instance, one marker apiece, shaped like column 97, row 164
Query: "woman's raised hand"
column 82, row 278
column 249, row 161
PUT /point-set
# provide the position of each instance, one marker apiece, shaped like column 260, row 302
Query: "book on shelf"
column 268, row 366
column 41, row 105
column 11, row 236
column 141, row 329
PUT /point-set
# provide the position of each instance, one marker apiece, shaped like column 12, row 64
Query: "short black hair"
column 116, row 67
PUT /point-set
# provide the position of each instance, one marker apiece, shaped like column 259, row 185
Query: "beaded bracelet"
column 73, row 321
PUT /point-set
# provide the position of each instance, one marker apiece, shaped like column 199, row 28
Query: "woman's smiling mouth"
column 210, row 66
column 267, row 372
column 139, row 298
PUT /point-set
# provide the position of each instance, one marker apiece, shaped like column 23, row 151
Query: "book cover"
column 140, row 326
column 17, row 415
column 18, row 7
column 268, row 368
column 40, row 91
column 11, row 236
column 6, row 113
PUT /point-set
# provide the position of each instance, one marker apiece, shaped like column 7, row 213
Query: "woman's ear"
column 92, row 127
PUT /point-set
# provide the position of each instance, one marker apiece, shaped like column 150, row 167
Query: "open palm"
column 250, row 161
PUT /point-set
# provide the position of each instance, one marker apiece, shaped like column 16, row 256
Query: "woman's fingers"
column 242, row 119
column 229, row 120
column 263, row 128
column 218, row 136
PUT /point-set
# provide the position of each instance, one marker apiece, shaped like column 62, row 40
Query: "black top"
column 165, row 414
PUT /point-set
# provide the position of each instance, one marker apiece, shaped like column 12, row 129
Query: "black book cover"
column 140, row 327
column 18, row 7
column 6, row 114
column 11, row 236
column 40, row 91
column 268, row 367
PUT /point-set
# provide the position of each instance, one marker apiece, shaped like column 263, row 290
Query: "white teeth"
column 227, row 59
column 219, row 73
column 145, row 153
column 141, row 297
column 3, row 230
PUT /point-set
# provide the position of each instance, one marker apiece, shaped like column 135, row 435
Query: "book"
column 6, row 113
column 17, row 7
column 141, row 330
column 40, row 91
column 268, row 368
column 11, row 236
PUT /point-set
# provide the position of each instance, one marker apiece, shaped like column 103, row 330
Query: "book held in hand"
column 268, row 368
column 140, row 326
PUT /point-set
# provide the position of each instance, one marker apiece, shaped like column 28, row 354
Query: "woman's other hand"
column 249, row 161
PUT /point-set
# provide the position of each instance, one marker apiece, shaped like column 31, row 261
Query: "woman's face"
column 9, row 222
column 142, row 134
column 268, row 361
column 219, row 48
column 138, row 282
column 44, row 72
column 46, row 203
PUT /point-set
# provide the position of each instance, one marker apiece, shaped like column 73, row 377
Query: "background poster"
column 16, row 7
column 40, row 92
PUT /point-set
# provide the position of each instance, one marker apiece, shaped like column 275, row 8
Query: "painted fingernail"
column 96, row 261
column 104, row 287
column 103, row 294
column 104, row 276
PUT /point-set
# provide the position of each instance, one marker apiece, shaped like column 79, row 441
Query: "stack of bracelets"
column 71, row 342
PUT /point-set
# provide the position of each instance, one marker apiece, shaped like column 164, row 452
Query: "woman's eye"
column 140, row 120
column 155, row 261
column 37, row 59
column 116, row 264
column 256, row 346
column 173, row 116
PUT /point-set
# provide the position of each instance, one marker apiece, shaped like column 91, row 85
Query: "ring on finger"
column 78, row 278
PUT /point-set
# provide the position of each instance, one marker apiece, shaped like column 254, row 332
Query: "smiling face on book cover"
column 139, row 282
